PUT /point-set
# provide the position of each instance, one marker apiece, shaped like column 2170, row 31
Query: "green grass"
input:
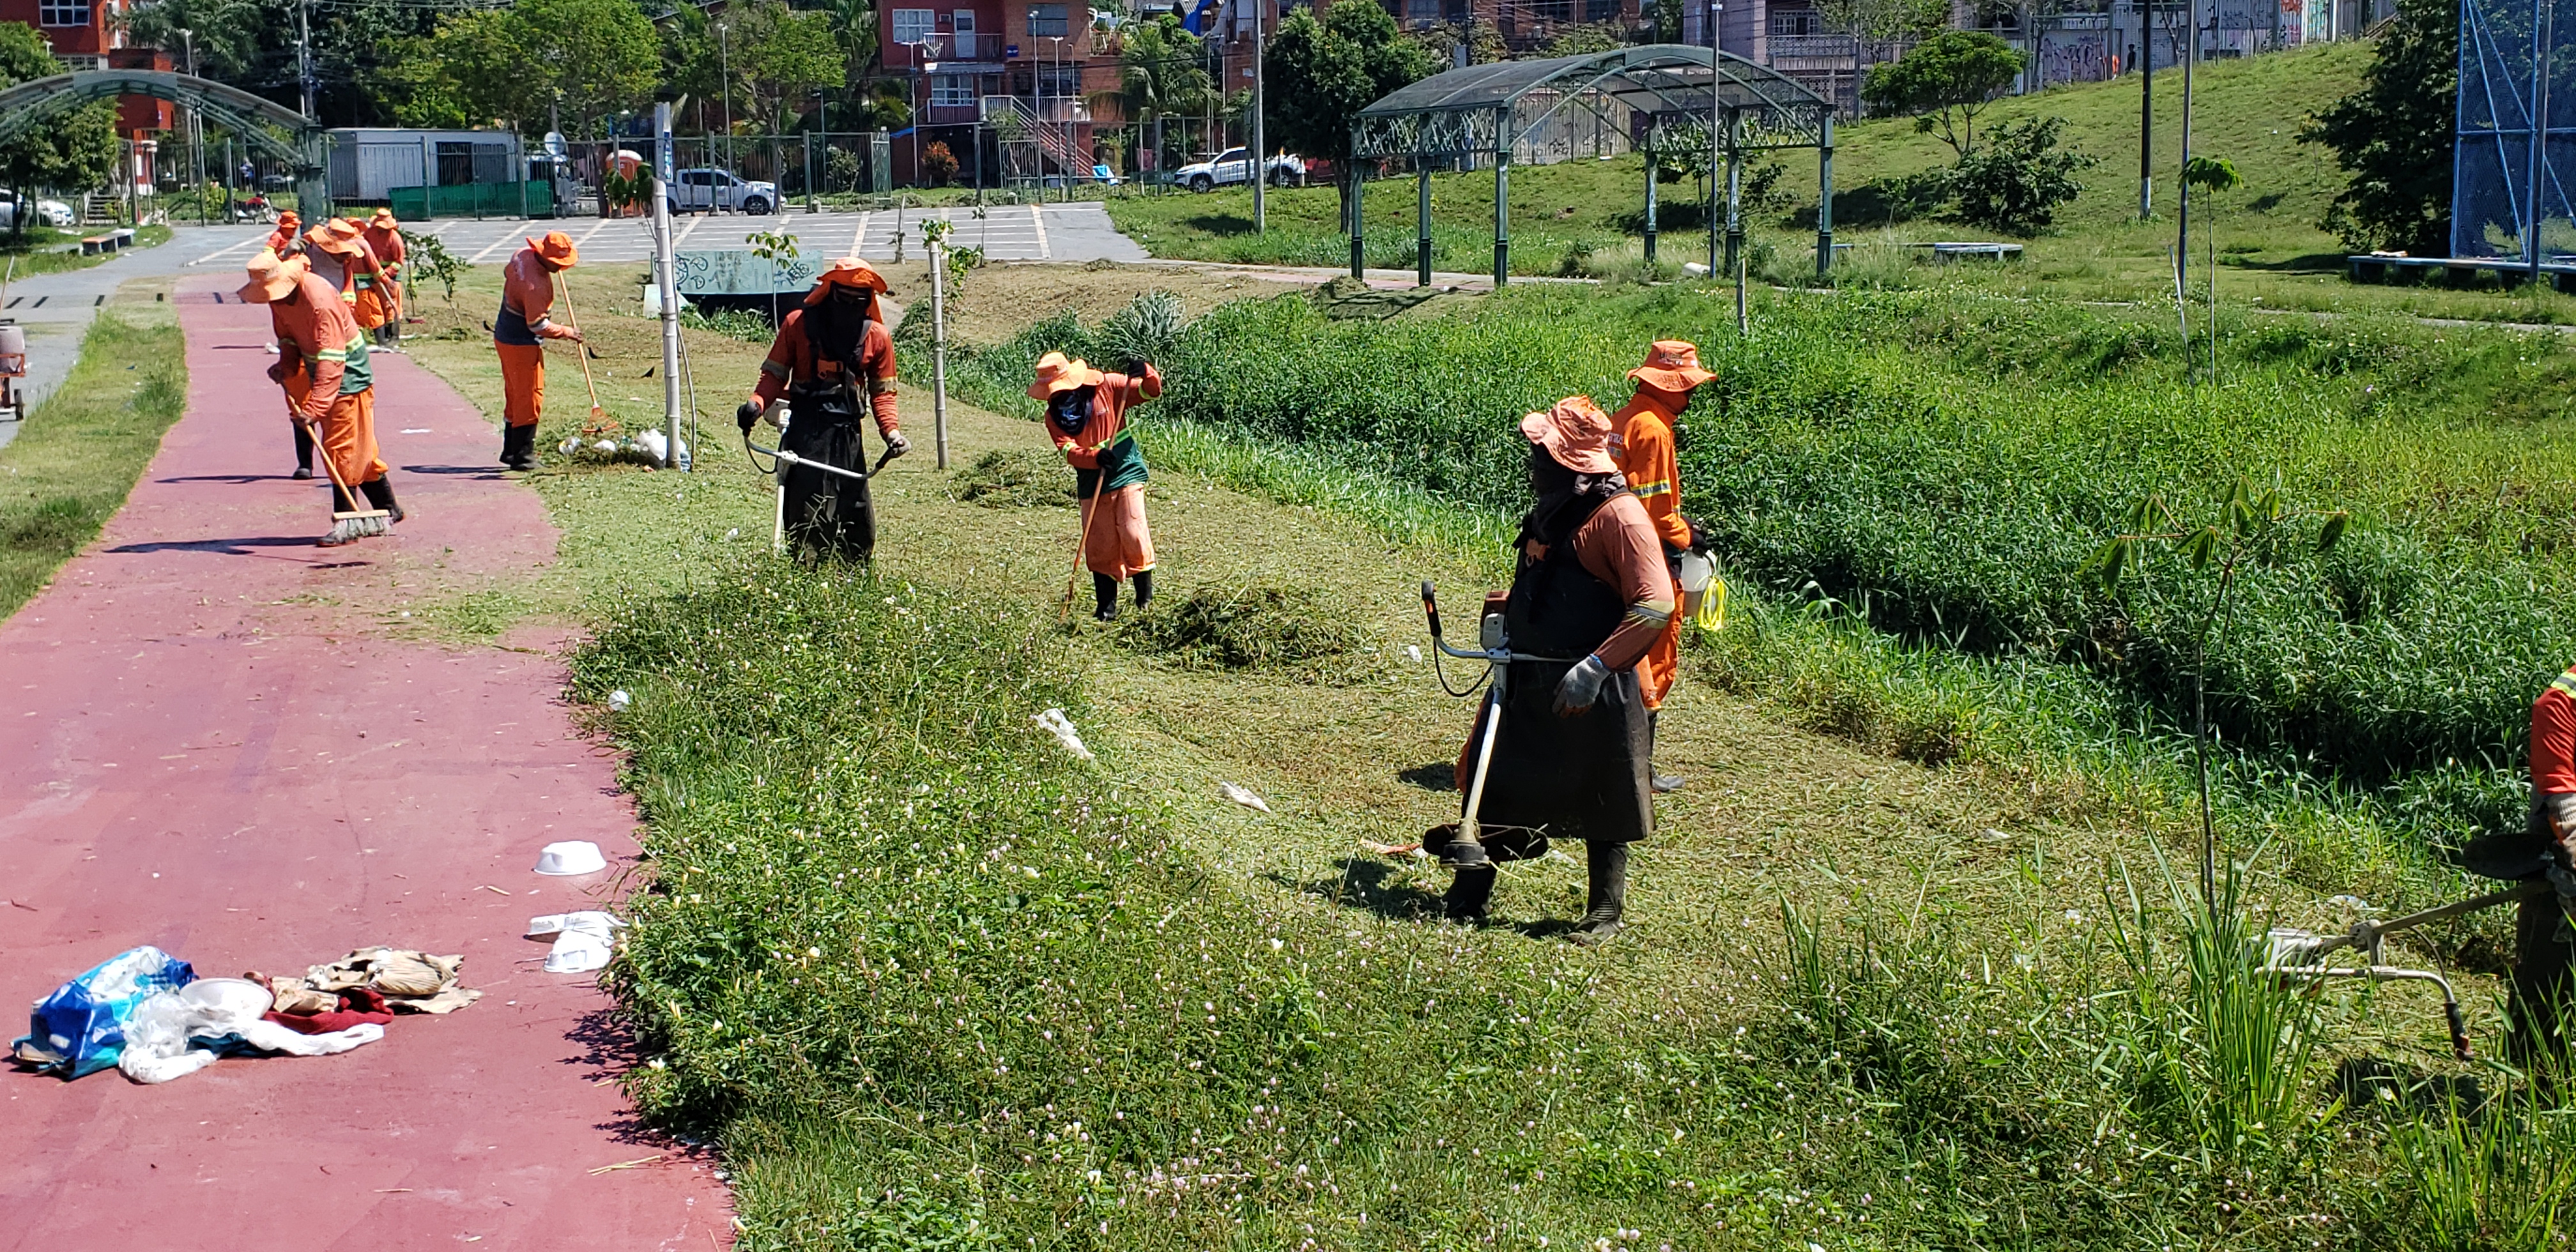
column 57, row 251
column 64, row 475
column 1582, row 217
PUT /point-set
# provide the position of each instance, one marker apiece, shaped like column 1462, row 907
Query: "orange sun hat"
column 849, row 271
column 383, row 220
column 1673, row 365
column 556, row 250
column 270, row 278
column 1576, row 432
column 337, row 235
column 1057, row 372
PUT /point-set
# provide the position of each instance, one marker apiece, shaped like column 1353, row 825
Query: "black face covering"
column 837, row 323
column 1563, row 498
column 1070, row 410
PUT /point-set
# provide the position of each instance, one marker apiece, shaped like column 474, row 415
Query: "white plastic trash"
column 1061, row 727
column 619, row 701
column 1242, row 796
column 570, row 859
column 584, row 941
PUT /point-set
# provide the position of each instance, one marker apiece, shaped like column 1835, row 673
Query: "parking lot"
column 1080, row 231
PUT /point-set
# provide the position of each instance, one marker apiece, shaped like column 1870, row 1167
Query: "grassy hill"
column 1582, row 217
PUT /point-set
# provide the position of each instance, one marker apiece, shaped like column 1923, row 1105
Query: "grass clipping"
column 1014, row 478
column 1247, row 627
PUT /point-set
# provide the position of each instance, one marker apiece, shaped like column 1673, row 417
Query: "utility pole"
column 1260, row 152
column 2146, row 109
column 724, row 63
column 304, row 56
column 196, row 136
column 2182, row 192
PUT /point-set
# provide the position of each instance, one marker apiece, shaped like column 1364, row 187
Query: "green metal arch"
column 256, row 120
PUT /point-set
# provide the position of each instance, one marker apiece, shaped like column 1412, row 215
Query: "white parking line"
column 859, row 237
column 1038, row 219
column 695, row 220
column 489, row 249
column 228, row 249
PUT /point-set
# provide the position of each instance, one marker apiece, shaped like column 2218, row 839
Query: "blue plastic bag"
column 80, row 1028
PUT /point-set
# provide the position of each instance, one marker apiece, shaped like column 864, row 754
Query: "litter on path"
column 584, row 941
column 1061, row 727
column 1242, row 796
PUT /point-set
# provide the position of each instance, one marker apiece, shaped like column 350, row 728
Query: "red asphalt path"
column 181, row 764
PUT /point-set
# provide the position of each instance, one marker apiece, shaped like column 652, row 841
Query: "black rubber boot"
column 1104, row 597
column 380, row 493
column 1469, row 893
column 303, row 450
column 1144, row 587
column 519, row 447
column 1607, row 867
column 1662, row 784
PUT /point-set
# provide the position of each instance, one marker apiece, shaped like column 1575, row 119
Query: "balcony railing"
column 1788, row 46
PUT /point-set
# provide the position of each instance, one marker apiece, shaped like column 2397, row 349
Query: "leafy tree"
column 2019, row 179
column 1321, row 74
column 1160, row 74
column 1587, row 38
column 75, row 151
column 779, row 56
column 854, row 28
column 583, row 58
column 2394, row 136
column 1944, row 81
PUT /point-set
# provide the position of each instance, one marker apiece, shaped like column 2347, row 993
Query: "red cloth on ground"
column 359, row 1006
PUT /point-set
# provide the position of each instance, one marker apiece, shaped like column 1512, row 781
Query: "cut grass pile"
column 1242, row 626
column 1012, row 479
column 1942, row 468
column 70, row 469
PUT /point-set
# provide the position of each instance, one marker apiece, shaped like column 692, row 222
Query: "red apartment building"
column 87, row 36
column 1041, row 61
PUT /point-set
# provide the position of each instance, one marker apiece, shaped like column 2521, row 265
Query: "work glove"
column 1701, row 540
column 1581, row 686
column 278, row 372
column 1135, row 367
column 896, row 445
column 747, row 413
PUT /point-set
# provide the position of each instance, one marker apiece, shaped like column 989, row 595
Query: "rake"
column 600, row 422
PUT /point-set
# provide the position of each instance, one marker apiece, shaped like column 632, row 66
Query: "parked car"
column 720, row 189
column 1234, row 165
column 52, row 213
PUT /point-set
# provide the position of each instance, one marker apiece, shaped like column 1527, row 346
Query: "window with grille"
column 1600, row 10
column 915, row 25
column 1059, row 80
column 1046, row 20
column 1795, row 22
column 952, row 90
column 62, row 13
column 1422, row 10
column 1552, row 10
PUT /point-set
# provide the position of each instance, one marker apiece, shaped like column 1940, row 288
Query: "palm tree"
column 854, row 27
column 1160, row 72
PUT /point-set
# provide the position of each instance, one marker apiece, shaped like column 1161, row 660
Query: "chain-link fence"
column 2509, row 197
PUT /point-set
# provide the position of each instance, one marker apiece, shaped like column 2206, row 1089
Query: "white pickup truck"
column 1234, row 165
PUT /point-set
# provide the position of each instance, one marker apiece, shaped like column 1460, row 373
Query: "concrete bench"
column 112, row 241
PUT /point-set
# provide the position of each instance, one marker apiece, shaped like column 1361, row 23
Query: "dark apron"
column 1581, row 777
column 828, row 515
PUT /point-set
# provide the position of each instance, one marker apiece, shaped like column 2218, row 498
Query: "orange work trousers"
column 347, row 433
column 1115, row 541
column 370, row 308
column 523, row 382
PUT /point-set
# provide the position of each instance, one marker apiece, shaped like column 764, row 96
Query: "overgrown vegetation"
column 1941, row 469
column 69, row 471
column 1022, row 478
column 933, row 982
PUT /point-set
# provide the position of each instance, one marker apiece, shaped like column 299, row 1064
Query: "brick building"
column 985, row 74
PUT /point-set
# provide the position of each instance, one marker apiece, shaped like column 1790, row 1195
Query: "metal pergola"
column 1542, row 112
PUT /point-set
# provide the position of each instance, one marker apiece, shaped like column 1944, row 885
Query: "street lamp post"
column 196, row 136
column 724, row 68
column 1260, row 147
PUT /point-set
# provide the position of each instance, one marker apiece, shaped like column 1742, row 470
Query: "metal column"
column 1422, row 220
column 1734, row 189
column 1825, row 199
column 1650, row 206
column 1359, row 253
column 1502, row 198
column 667, row 285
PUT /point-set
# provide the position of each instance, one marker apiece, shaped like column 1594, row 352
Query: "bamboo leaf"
column 2110, row 563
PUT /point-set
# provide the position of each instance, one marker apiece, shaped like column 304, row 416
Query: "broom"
column 350, row 523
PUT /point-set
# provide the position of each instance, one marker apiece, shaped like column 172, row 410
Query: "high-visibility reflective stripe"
column 2565, row 682
column 1642, row 490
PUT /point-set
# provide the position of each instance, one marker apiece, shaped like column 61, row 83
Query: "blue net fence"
column 2517, row 80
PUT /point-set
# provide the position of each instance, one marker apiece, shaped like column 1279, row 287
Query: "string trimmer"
column 1494, row 650
column 781, row 459
column 2302, row 954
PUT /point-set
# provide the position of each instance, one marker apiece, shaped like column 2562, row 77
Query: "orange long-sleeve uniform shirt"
column 1642, row 442
column 2553, row 737
column 334, row 387
column 792, row 359
column 1116, row 394
column 388, row 245
column 1617, row 545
